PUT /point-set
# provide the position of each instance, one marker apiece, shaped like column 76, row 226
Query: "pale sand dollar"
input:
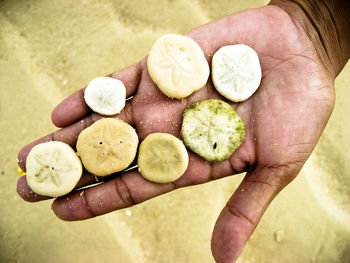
column 107, row 146
column 212, row 129
column 162, row 158
column 236, row 72
column 53, row 169
column 105, row 95
column 177, row 65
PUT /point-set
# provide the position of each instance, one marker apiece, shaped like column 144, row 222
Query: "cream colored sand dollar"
column 162, row 158
column 53, row 169
column 107, row 146
column 212, row 129
column 177, row 65
column 236, row 72
column 105, row 95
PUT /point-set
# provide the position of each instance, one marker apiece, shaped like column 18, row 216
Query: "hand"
column 284, row 119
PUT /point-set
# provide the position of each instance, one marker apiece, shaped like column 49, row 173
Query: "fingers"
column 215, row 34
column 198, row 171
column 74, row 107
column 244, row 210
column 210, row 37
column 127, row 190
column 28, row 195
column 70, row 133
column 70, row 109
column 117, row 193
column 67, row 135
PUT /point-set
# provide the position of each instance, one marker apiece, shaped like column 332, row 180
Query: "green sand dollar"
column 212, row 129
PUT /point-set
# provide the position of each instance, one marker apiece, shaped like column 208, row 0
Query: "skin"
column 284, row 120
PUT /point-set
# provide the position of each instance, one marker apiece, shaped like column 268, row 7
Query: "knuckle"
column 123, row 192
column 236, row 212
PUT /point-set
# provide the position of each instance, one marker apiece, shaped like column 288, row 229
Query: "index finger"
column 74, row 107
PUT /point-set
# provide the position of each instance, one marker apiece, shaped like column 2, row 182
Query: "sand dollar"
column 236, row 72
column 162, row 158
column 53, row 169
column 212, row 129
column 107, row 146
column 105, row 95
column 177, row 65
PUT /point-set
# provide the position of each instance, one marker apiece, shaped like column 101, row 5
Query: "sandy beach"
column 49, row 49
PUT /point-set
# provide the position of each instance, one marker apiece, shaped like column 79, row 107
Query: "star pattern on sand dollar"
column 102, row 143
column 158, row 157
column 104, row 97
column 50, row 168
column 211, row 129
column 177, row 62
column 235, row 75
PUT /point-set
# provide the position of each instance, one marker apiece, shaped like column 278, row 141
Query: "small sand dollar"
column 177, row 65
column 105, row 95
column 107, row 146
column 236, row 72
column 53, row 169
column 212, row 129
column 162, row 158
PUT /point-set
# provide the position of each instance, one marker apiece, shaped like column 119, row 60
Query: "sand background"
column 48, row 49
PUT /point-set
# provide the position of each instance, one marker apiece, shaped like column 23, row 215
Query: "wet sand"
column 48, row 49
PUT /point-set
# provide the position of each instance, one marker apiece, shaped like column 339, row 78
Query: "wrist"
column 326, row 24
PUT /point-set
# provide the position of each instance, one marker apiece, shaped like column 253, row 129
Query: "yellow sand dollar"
column 107, row 146
column 162, row 158
column 53, row 169
column 177, row 65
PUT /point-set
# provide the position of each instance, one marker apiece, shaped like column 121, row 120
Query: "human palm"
column 284, row 120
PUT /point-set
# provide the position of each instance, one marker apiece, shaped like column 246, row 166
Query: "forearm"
column 327, row 23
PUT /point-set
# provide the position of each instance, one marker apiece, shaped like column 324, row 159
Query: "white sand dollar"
column 162, row 158
column 236, row 72
column 212, row 129
column 107, row 146
column 53, row 169
column 177, row 65
column 105, row 95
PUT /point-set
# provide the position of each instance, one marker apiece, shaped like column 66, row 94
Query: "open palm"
column 284, row 120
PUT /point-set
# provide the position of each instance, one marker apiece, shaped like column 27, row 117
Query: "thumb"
column 244, row 210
